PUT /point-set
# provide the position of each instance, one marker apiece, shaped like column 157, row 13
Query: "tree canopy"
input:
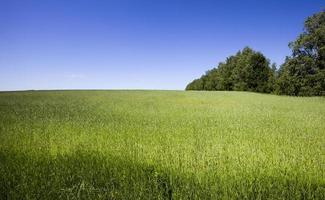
column 302, row 74
column 248, row 70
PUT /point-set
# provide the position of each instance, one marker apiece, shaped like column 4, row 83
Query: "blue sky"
column 134, row 44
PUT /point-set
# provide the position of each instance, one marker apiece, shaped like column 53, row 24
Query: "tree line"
column 302, row 73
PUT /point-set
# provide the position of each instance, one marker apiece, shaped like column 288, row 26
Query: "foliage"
column 161, row 145
column 303, row 73
column 246, row 71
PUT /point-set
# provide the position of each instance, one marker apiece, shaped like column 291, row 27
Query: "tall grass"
column 161, row 145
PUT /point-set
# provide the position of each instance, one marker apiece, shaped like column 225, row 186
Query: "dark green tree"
column 273, row 75
column 196, row 84
column 303, row 74
column 248, row 70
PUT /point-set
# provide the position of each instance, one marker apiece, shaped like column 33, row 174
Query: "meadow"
column 161, row 145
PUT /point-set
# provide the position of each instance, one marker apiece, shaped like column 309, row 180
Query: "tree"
column 303, row 74
column 248, row 70
column 273, row 75
column 196, row 84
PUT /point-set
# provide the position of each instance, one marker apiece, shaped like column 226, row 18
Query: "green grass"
column 161, row 145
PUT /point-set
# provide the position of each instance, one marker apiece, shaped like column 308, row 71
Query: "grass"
column 161, row 145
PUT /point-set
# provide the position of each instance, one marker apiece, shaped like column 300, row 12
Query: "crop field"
column 161, row 145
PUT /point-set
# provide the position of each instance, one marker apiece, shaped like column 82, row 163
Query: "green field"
column 161, row 145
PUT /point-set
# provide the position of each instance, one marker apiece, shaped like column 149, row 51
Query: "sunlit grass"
column 161, row 145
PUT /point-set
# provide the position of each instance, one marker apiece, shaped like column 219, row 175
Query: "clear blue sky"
column 134, row 44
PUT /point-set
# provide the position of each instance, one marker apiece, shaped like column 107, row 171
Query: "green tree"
column 248, row 70
column 303, row 73
column 273, row 75
column 196, row 84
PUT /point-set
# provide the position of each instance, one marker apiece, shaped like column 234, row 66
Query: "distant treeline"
column 302, row 73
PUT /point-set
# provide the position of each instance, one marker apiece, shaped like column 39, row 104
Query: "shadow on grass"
column 91, row 175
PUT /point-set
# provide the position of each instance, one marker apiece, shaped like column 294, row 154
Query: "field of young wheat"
column 161, row 145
